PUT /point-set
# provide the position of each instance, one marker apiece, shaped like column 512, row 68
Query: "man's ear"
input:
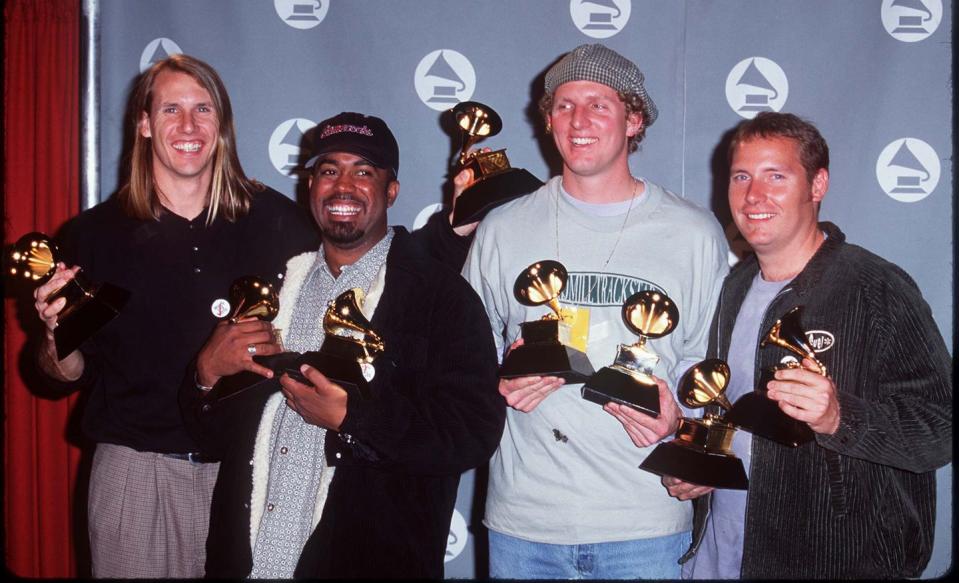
column 820, row 184
column 634, row 124
column 143, row 126
column 392, row 191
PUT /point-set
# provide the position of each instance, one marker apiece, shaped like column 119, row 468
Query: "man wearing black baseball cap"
column 566, row 499
column 320, row 483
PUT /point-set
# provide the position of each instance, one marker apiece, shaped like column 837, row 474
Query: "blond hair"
column 230, row 190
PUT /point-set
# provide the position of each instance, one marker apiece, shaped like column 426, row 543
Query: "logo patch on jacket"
column 820, row 340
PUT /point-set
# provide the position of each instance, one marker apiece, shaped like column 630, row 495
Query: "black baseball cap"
column 367, row 136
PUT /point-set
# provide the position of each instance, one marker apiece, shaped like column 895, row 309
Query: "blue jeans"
column 653, row 558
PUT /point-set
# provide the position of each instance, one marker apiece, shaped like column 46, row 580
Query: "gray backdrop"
column 874, row 75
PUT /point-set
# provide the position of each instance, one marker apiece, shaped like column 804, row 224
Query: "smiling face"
column 773, row 202
column 183, row 125
column 349, row 197
column 591, row 128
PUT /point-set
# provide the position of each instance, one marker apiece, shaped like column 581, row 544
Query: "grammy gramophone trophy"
column 701, row 452
column 544, row 352
column 345, row 357
column 495, row 181
column 349, row 347
column 629, row 381
column 89, row 305
column 756, row 412
column 251, row 297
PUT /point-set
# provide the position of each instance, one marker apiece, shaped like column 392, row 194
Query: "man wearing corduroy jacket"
column 858, row 501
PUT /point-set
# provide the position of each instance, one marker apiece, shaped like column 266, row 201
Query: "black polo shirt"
column 174, row 269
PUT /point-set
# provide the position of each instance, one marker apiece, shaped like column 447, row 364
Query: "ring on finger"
column 251, row 348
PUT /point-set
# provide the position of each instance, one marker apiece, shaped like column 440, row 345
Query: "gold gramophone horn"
column 705, row 383
column 650, row 313
column 251, row 297
column 541, row 283
column 345, row 319
column 788, row 333
column 477, row 121
column 33, row 257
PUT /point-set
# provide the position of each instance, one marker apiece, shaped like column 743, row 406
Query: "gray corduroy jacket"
column 861, row 502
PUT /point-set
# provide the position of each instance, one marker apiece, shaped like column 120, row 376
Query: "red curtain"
column 40, row 191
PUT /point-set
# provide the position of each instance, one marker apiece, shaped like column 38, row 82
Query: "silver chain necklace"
column 618, row 235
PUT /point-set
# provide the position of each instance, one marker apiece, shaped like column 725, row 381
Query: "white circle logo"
column 220, row 308
column 425, row 214
column 820, row 340
column 301, row 14
column 444, row 78
column 157, row 50
column 456, row 541
column 911, row 21
column 600, row 18
column 286, row 146
column 756, row 84
column 908, row 169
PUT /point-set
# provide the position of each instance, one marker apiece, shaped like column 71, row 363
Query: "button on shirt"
column 297, row 462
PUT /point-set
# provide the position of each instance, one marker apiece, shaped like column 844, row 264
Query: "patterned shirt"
column 297, row 459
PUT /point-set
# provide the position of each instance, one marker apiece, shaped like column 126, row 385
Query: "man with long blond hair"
column 184, row 226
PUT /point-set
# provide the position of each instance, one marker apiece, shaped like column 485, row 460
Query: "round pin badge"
column 220, row 307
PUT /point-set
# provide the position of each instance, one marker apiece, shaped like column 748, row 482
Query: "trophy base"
column 547, row 359
column 610, row 384
column 760, row 415
column 490, row 192
column 345, row 372
column 697, row 466
column 241, row 382
column 87, row 316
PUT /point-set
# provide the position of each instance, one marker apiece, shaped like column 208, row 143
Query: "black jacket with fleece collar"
column 433, row 413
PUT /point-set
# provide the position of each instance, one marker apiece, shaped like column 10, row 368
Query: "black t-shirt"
column 174, row 270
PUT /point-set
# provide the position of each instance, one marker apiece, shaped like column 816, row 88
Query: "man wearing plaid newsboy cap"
column 566, row 498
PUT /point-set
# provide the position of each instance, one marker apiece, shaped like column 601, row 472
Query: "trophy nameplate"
column 757, row 413
column 543, row 352
column 629, row 380
column 89, row 305
column 495, row 181
column 701, row 452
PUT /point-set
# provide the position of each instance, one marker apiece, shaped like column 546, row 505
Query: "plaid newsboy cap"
column 601, row 64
